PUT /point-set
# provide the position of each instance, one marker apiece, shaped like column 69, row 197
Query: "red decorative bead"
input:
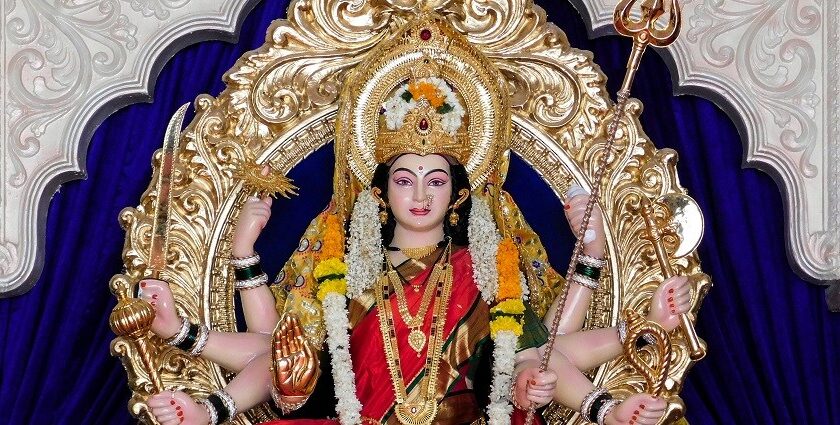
column 424, row 125
column 180, row 413
column 172, row 402
column 425, row 34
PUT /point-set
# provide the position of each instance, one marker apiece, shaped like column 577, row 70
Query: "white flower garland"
column 504, row 354
column 484, row 244
column 364, row 252
column 526, row 292
column 338, row 341
column 396, row 108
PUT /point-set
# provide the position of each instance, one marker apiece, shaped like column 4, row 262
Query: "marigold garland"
column 329, row 268
column 329, row 286
column 507, row 262
column 333, row 243
column 509, row 307
column 505, row 323
column 429, row 91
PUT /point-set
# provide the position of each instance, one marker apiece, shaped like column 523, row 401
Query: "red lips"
column 419, row 211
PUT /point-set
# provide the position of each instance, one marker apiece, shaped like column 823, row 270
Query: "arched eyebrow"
column 415, row 174
column 436, row 170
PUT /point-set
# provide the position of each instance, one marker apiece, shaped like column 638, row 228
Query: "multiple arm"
column 577, row 351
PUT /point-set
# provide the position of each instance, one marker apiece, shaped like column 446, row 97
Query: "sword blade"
column 160, row 225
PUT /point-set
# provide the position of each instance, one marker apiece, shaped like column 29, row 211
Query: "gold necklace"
column 416, row 338
column 419, row 252
column 420, row 411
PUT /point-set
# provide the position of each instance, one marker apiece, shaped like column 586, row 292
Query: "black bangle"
column 249, row 272
column 596, row 406
column 221, row 409
column 188, row 342
column 593, row 273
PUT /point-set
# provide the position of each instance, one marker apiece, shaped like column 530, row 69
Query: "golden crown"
column 426, row 90
column 424, row 116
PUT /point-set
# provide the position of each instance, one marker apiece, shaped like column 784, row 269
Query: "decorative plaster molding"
column 66, row 65
column 773, row 66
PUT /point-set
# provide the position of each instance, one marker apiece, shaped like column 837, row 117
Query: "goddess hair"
column 460, row 180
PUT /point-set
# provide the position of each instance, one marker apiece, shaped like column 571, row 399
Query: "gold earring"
column 463, row 194
column 383, row 213
column 453, row 218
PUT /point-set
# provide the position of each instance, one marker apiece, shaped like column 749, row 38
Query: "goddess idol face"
column 419, row 191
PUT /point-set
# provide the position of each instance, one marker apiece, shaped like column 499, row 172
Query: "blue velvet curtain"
column 773, row 345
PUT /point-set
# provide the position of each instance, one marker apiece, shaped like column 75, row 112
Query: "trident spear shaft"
column 644, row 31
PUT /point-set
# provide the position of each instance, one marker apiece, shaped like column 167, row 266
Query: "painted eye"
column 436, row 182
column 403, row 182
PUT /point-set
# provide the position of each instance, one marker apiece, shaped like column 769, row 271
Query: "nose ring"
column 427, row 204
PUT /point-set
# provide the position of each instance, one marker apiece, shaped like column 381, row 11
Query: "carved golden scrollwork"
column 280, row 105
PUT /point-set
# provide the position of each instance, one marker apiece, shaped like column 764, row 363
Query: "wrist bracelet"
column 605, row 410
column 227, row 400
column 211, row 411
column 586, row 404
column 242, row 262
column 586, row 282
column 593, row 273
column 201, row 341
column 249, row 272
column 189, row 341
column 254, row 282
column 179, row 337
column 597, row 405
column 591, row 261
column 222, row 413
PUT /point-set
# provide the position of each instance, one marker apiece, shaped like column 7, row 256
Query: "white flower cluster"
column 396, row 108
column 338, row 341
column 484, row 244
column 526, row 292
column 364, row 253
column 504, row 353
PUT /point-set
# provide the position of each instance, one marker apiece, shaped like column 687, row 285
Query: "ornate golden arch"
column 280, row 106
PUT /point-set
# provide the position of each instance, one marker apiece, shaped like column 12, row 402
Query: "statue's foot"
column 638, row 409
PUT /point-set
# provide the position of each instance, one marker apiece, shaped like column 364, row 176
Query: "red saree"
column 466, row 329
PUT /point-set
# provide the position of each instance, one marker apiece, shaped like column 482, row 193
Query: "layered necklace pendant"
column 416, row 337
column 417, row 340
column 420, row 413
column 422, row 407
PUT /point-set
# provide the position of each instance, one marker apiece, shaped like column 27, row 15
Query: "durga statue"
column 420, row 294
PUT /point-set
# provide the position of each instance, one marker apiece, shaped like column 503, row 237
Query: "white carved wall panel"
column 772, row 64
column 62, row 62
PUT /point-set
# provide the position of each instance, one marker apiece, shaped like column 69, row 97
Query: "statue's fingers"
column 284, row 345
column 160, row 412
column 159, row 400
column 534, row 394
column 294, row 345
column 682, row 298
column 174, row 421
column 167, row 417
column 298, row 331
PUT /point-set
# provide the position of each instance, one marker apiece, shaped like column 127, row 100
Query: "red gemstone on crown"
column 425, row 34
column 423, row 125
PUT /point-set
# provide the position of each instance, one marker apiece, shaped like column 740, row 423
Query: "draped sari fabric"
column 773, row 344
column 466, row 328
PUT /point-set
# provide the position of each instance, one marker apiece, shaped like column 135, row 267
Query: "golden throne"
column 280, row 105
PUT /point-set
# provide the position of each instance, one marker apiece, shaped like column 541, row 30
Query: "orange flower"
column 427, row 90
column 507, row 262
column 333, row 243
